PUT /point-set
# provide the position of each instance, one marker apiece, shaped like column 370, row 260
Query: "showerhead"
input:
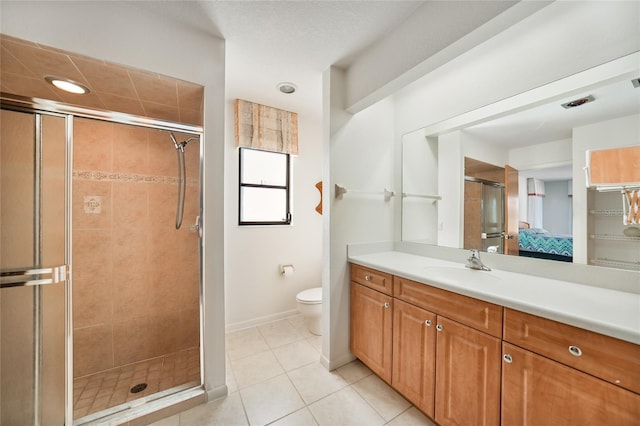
column 181, row 145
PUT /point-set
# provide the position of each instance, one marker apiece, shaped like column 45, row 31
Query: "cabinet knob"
column 428, row 323
column 507, row 358
column 386, row 305
column 367, row 278
column 575, row 351
column 439, row 327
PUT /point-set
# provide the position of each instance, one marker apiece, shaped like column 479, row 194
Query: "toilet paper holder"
column 287, row 270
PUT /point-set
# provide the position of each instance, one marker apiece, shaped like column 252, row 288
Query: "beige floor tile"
column 296, row 354
column 255, row 369
column 412, row 417
column 245, row 343
column 270, row 400
column 301, row 417
column 299, row 325
column 386, row 401
column 313, row 381
column 345, row 407
column 316, row 342
column 169, row 421
column 354, row 371
column 280, row 333
column 226, row 411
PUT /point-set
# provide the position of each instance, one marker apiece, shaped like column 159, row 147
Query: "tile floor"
column 97, row 392
column 275, row 377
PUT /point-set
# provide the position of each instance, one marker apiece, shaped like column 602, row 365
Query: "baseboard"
column 261, row 320
column 216, row 393
column 338, row 362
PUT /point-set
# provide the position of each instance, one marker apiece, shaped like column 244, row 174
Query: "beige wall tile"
column 162, row 205
column 190, row 329
column 165, row 333
column 129, row 205
column 92, row 254
column 153, row 88
column 92, row 302
column 162, row 155
column 131, row 340
column 92, row 349
column 130, row 149
column 92, row 140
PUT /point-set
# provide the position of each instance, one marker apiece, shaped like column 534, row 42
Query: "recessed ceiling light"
column 287, row 88
column 67, row 85
column 578, row 102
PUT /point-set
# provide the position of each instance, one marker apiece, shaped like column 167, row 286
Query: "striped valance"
column 267, row 128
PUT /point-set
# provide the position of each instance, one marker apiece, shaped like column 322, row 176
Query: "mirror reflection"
column 544, row 209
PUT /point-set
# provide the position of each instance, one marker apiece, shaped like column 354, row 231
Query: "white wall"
column 255, row 291
column 419, row 177
column 619, row 132
column 121, row 33
column 361, row 159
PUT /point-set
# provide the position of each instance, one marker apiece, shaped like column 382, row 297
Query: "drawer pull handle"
column 386, row 305
column 367, row 278
column 439, row 327
column 575, row 351
column 507, row 358
column 428, row 323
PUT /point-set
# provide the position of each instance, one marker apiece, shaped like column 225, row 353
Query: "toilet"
column 310, row 306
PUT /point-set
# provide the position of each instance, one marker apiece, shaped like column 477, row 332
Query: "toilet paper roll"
column 287, row 270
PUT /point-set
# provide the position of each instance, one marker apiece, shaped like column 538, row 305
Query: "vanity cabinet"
column 574, row 376
column 371, row 328
column 441, row 361
column 414, row 355
column 465, row 361
column 467, row 375
column 539, row 391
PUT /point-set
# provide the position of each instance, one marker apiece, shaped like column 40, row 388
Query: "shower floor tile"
column 99, row 391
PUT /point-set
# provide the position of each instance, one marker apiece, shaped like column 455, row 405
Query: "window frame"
column 286, row 187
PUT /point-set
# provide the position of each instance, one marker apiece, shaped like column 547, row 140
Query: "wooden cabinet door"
column 371, row 322
column 539, row 391
column 468, row 366
column 414, row 355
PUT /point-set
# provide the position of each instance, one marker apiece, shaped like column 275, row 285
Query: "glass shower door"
column 33, row 263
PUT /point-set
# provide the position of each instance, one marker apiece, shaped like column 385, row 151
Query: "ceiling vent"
column 636, row 82
column 578, row 102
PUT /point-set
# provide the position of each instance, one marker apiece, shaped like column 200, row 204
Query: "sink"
column 461, row 275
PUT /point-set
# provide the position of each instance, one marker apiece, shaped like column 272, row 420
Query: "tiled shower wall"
column 135, row 277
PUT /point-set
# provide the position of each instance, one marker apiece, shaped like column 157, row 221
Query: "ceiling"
column 24, row 66
column 551, row 122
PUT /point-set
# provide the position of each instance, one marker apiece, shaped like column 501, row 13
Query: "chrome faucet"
column 475, row 262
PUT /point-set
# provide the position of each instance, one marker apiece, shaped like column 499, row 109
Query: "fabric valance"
column 266, row 128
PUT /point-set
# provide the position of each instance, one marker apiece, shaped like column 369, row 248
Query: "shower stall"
column 101, row 263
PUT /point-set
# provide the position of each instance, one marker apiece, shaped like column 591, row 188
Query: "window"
column 264, row 188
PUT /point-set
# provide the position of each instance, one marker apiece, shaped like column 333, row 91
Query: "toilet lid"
column 310, row 295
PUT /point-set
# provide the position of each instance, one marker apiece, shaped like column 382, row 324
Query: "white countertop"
column 610, row 312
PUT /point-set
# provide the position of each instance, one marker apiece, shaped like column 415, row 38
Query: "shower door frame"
column 48, row 107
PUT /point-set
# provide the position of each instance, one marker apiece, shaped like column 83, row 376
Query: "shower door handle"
column 33, row 276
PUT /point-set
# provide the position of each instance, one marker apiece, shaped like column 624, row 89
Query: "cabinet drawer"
column 610, row 359
column 483, row 316
column 371, row 278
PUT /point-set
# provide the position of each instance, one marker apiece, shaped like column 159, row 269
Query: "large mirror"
column 514, row 182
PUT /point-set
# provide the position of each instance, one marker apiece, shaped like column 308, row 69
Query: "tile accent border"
column 128, row 178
